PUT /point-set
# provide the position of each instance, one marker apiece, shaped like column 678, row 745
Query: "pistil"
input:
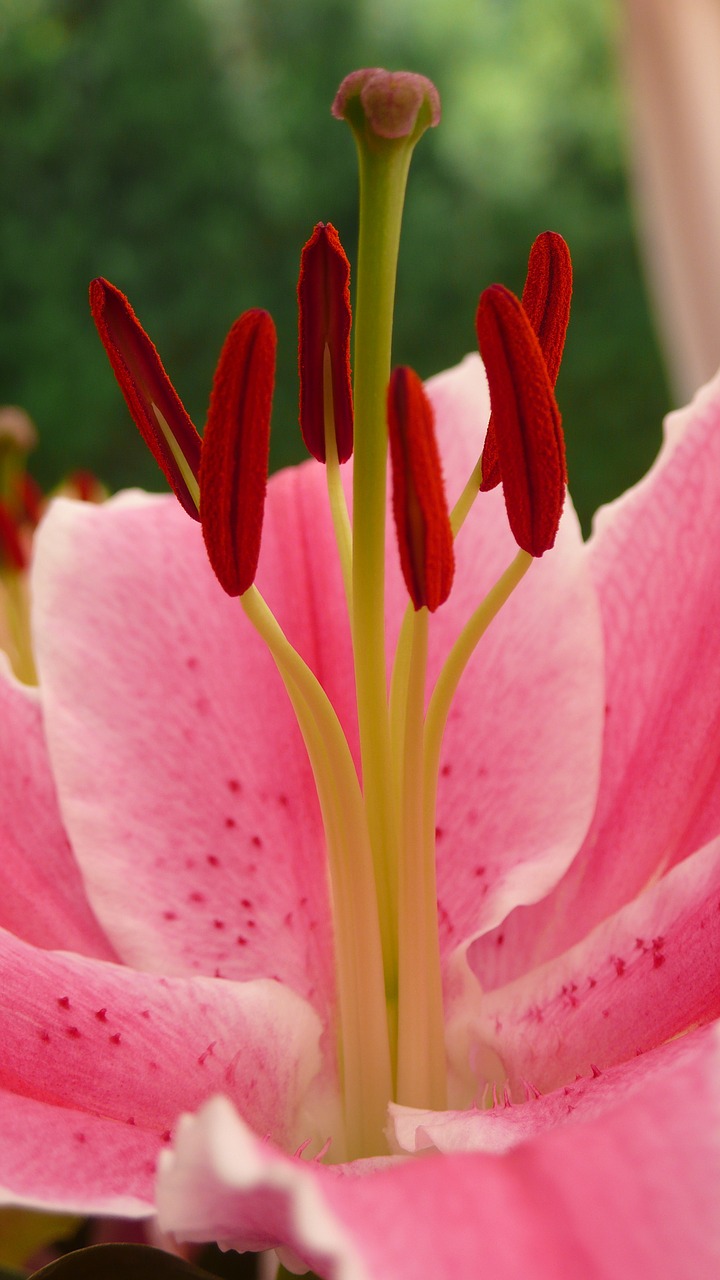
column 388, row 114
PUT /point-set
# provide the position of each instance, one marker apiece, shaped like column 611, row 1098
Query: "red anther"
column 324, row 324
column 146, row 387
column 419, row 504
column 85, row 486
column 527, row 420
column 490, row 462
column 31, row 499
column 233, row 472
column 12, row 551
column 546, row 298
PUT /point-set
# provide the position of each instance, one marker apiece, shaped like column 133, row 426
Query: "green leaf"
column 120, row 1262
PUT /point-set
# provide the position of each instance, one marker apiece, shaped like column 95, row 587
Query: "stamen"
column 419, row 504
column 324, row 324
column 233, row 474
column 546, row 298
column 84, row 486
column 155, row 406
column 421, row 1076
column 30, row 498
column 365, row 1060
column 527, row 420
column 490, row 462
column 12, row 552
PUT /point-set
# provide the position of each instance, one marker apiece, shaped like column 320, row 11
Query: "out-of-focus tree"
column 532, row 137
column 119, row 159
column 186, row 152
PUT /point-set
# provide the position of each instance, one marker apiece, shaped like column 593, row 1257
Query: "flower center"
column 380, row 821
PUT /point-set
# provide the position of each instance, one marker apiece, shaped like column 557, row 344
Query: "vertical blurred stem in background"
column 672, row 71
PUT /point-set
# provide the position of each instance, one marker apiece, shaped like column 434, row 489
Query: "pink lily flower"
column 500, row 1050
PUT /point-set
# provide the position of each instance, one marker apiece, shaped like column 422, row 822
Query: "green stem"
column 452, row 673
column 462, row 507
column 399, row 695
column 16, row 604
column 462, row 651
column 364, row 1048
column 383, row 175
column 336, row 494
column 421, row 1073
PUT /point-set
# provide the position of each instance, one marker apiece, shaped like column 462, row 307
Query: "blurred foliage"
column 23, row 1233
column 120, row 1262
column 185, row 150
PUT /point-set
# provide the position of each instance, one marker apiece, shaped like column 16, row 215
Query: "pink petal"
column 182, row 720
column 97, row 1043
column 169, row 846
column 182, row 775
column 42, row 898
column 642, row 977
column 652, row 551
column 220, row 1183
column 69, row 1161
column 654, row 558
column 671, row 59
column 505, row 1124
column 520, row 759
column 629, row 1194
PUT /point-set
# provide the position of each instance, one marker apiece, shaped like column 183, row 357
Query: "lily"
column 406, row 855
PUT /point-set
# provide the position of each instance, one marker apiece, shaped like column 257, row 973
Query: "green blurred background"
column 184, row 149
